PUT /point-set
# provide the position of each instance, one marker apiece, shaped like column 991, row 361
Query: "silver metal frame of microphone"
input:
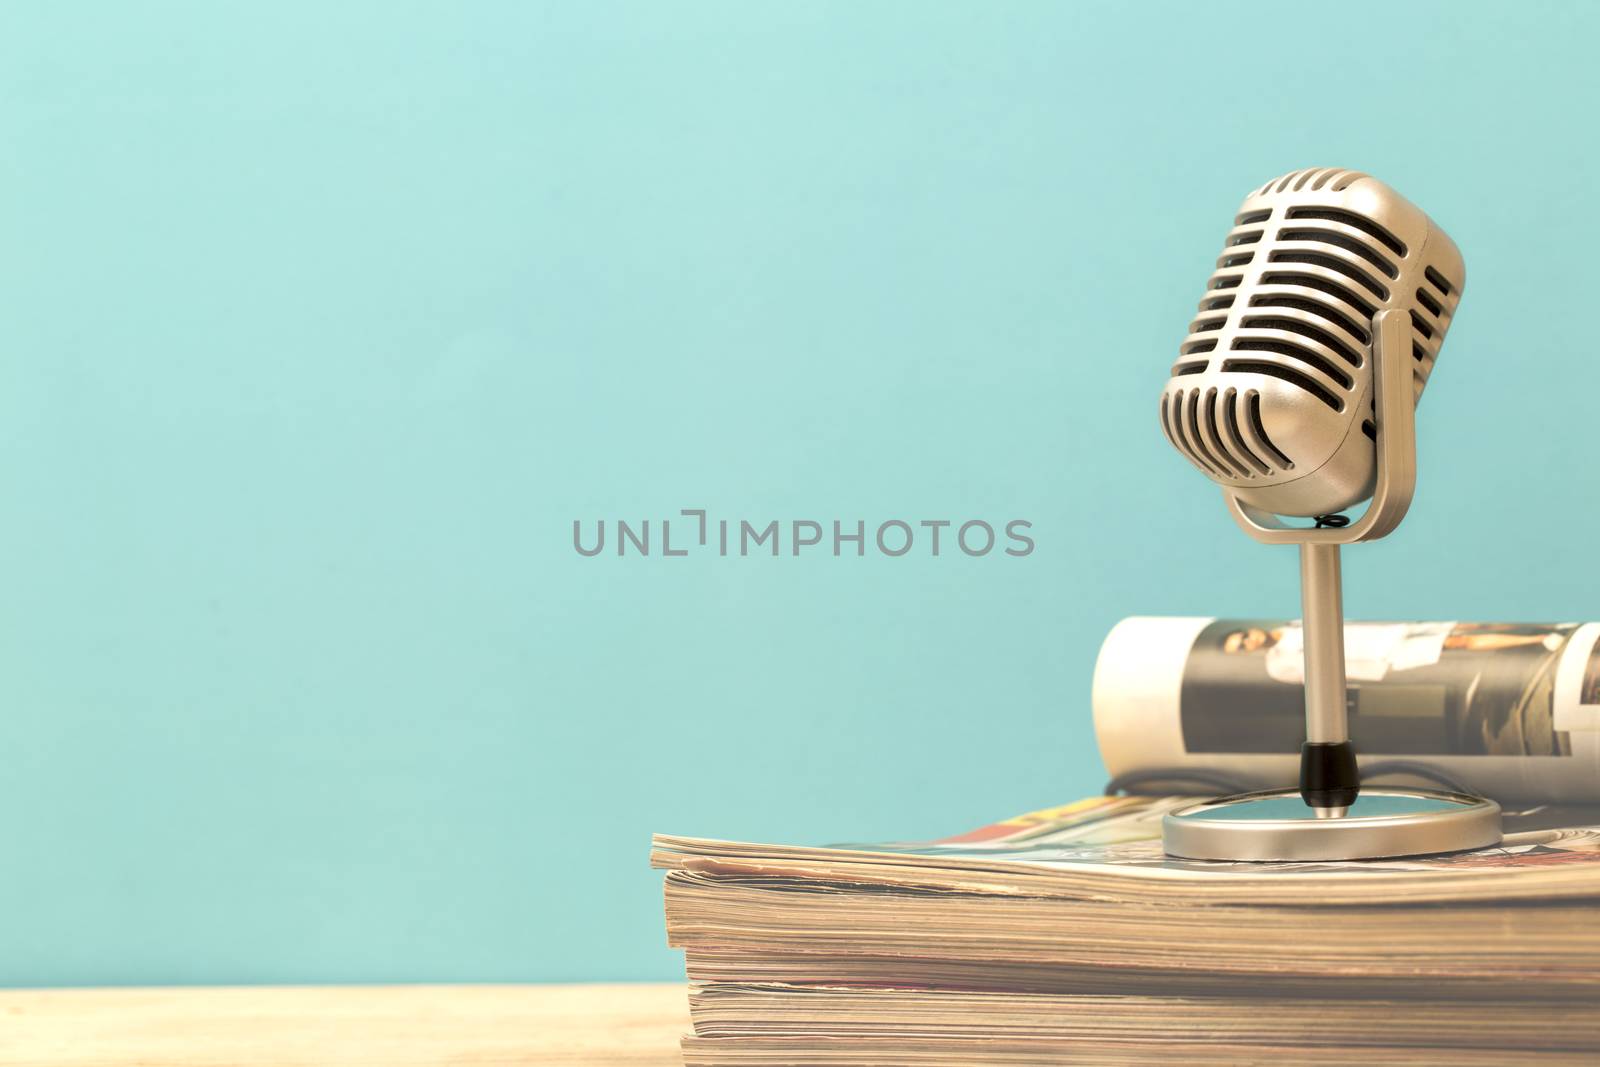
column 1321, row 592
column 1253, row 826
column 1395, row 404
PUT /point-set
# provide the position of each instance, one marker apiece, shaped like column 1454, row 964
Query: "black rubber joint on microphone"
column 1328, row 774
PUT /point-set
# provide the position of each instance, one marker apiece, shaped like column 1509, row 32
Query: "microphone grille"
column 1274, row 377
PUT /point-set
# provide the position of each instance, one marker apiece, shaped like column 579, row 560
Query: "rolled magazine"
column 1509, row 710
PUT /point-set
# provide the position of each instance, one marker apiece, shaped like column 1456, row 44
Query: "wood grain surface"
column 395, row 1026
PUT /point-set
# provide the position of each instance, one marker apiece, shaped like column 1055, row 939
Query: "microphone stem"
column 1322, row 605
column 1329, row 780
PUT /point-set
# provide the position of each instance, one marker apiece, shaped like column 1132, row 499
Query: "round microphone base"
column 1381, row 824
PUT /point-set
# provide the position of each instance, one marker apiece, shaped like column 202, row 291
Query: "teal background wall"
column 320, row 324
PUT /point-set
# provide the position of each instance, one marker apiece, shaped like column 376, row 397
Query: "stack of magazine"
column 1067, row 936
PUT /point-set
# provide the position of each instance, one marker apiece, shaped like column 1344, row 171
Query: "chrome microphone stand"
column 1331, row 817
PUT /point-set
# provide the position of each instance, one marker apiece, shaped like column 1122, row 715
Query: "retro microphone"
column 1295, row 391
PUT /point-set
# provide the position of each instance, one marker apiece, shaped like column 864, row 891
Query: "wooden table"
column 393, row 1026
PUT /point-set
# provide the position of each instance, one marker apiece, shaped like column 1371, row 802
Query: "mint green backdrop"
column 322, row 322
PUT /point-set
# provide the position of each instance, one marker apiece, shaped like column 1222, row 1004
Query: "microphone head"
column 1271, row 395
